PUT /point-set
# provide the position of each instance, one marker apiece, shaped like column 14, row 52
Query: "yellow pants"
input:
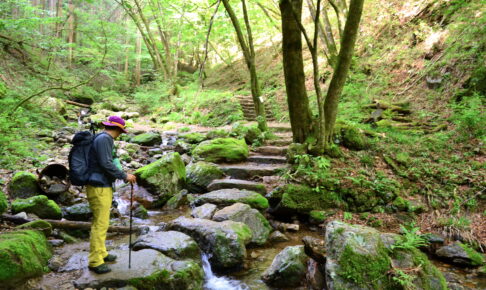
column 99, row 199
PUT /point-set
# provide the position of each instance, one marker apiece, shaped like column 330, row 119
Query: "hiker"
column 103, row 172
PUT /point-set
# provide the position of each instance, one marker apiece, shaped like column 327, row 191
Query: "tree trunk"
column 59, row 20
column 338, row 80
column 138, row 49
column 293, row 65
column 71, row 34
column 249, row 55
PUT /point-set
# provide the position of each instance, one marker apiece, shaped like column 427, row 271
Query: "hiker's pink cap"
column 115, row 121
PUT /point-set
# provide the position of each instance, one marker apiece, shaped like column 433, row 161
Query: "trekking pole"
column 130, row 231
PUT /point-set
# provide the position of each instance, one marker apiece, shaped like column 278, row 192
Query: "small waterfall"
column 219, row 283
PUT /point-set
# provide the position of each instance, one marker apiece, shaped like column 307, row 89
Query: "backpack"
column 79, row 158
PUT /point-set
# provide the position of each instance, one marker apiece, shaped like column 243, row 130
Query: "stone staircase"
column 248, row 109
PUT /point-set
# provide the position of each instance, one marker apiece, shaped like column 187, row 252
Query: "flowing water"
column 214, row 282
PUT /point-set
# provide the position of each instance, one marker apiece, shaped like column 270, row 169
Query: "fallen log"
column 73, row 225
column 77, row 104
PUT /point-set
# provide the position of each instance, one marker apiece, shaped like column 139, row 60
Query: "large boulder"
column 147, row 139
column 176, row 245
column 460, row 254
column 193, row 138
column 299, row 199
column 23, row 254
column 3, row 202
column 23, row 184
column 288, row 268
column 224, row 241
column 39, row 205
column 200, row 175
column 350, row 136
column 150, row 270
column 222, row 150
column 164, row 177
column 225, row 197
column 78, row 212
column 360, row 257
column 240, row 212
column 39, row 225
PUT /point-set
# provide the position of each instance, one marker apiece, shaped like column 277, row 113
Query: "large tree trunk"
column 71, row 33
column 249, row 55
column 138, row 59
column 338, row 80
column 298, row 102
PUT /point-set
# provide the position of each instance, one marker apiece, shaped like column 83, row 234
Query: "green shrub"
column 470, row 118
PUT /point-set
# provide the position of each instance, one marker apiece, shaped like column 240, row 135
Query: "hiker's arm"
column 105, row 159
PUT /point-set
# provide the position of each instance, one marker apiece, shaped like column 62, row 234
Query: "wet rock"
column 221, row 150
column 460, row 254
column 250, row 170
column 140, row 212
column 200, row 174
column 150, row 270
column 177, row 200
column 315, row 277
column 24, row 254
column 278, row 237
column 183, row 147
column 77, row 261
column 240, row 212
column 3, row 202
column 39, row 205
column 23, row 185
column 360, row 257
column 286, row 227
column 225, row 197
column 288, row 268
column 56, row 243
column 147, row 139
column 39, row 225
column 164, row 178
column 315, row 248
column 225, row 241
column 186, row 158
column 176, row 245
column 205, row 211
column 238, row 184
column 55, row 263
column 78, row 212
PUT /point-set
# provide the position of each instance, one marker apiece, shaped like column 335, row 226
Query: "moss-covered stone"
column 230, row 196
column 401, row 204
column 164, row 177
column 302, row 199
column 193, row 138
column 294, row 150
column 23, row 254
column 141, row 212
column 288, row 268
column 317, row 216
column 350, row 136
column 177, row 200
column 40, row 225
column 218, row 133
column 39, row 205
column 253, row 134
column 23, row 184
column 475, row 257
column 221, row 150
column 3, row 202
column 200, row 175
column 147, row 139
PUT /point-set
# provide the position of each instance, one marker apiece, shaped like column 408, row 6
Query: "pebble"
column 56, row 242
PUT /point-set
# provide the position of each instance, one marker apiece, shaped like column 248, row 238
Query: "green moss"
column 3, row 202
column 243, row 232
column 190, row 276
column 366, row 269
column 430, row 277
column 222, row 150
column 256, row 201
column 350, row 136
column 23, row 184
column 318, row 216
column 193, row 138
column 68, row 238
column 303, row 199
column 401, row 204
column 40, row 225
column 23, row 254
column 147, row 139
column 253, row 134
column 218, row 133
column 39, row 205
column 141, row 212
column 476, row 258
column 200, row 175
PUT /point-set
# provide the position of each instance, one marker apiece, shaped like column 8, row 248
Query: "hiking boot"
column 110, row 258
column 101, row 269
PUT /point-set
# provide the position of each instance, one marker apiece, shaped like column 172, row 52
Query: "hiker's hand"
column 131, row 178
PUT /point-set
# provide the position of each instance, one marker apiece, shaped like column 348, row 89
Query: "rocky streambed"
column 202, row 210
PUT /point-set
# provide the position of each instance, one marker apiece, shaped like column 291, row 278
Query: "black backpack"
column 79, row 158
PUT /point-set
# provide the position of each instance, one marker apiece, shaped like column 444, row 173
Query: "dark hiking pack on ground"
column 79, row 158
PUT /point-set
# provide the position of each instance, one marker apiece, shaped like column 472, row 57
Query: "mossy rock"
column 288, row 268
column 40, row 225
column 141, row 212
column 295, row 149
column 218, row 133
column 164, row 177
column 350, row 137
column 83, row 99
column 226, row 197
column 39, row 205
column 200, row 175
column 193, row 138
column 3, row 202
column 147, row 139
column 253, row 134
column 300, row 199
column 222, row 150
column 319, row 216
column 177, row 200
column 23, row 184
column 23, row 254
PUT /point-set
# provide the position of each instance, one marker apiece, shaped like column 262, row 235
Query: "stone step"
column 283, row 134
column 271, row 150
column 280, row 128
column 250, row 170
column 267, row 159
column 279, row 142
column 238, row 184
